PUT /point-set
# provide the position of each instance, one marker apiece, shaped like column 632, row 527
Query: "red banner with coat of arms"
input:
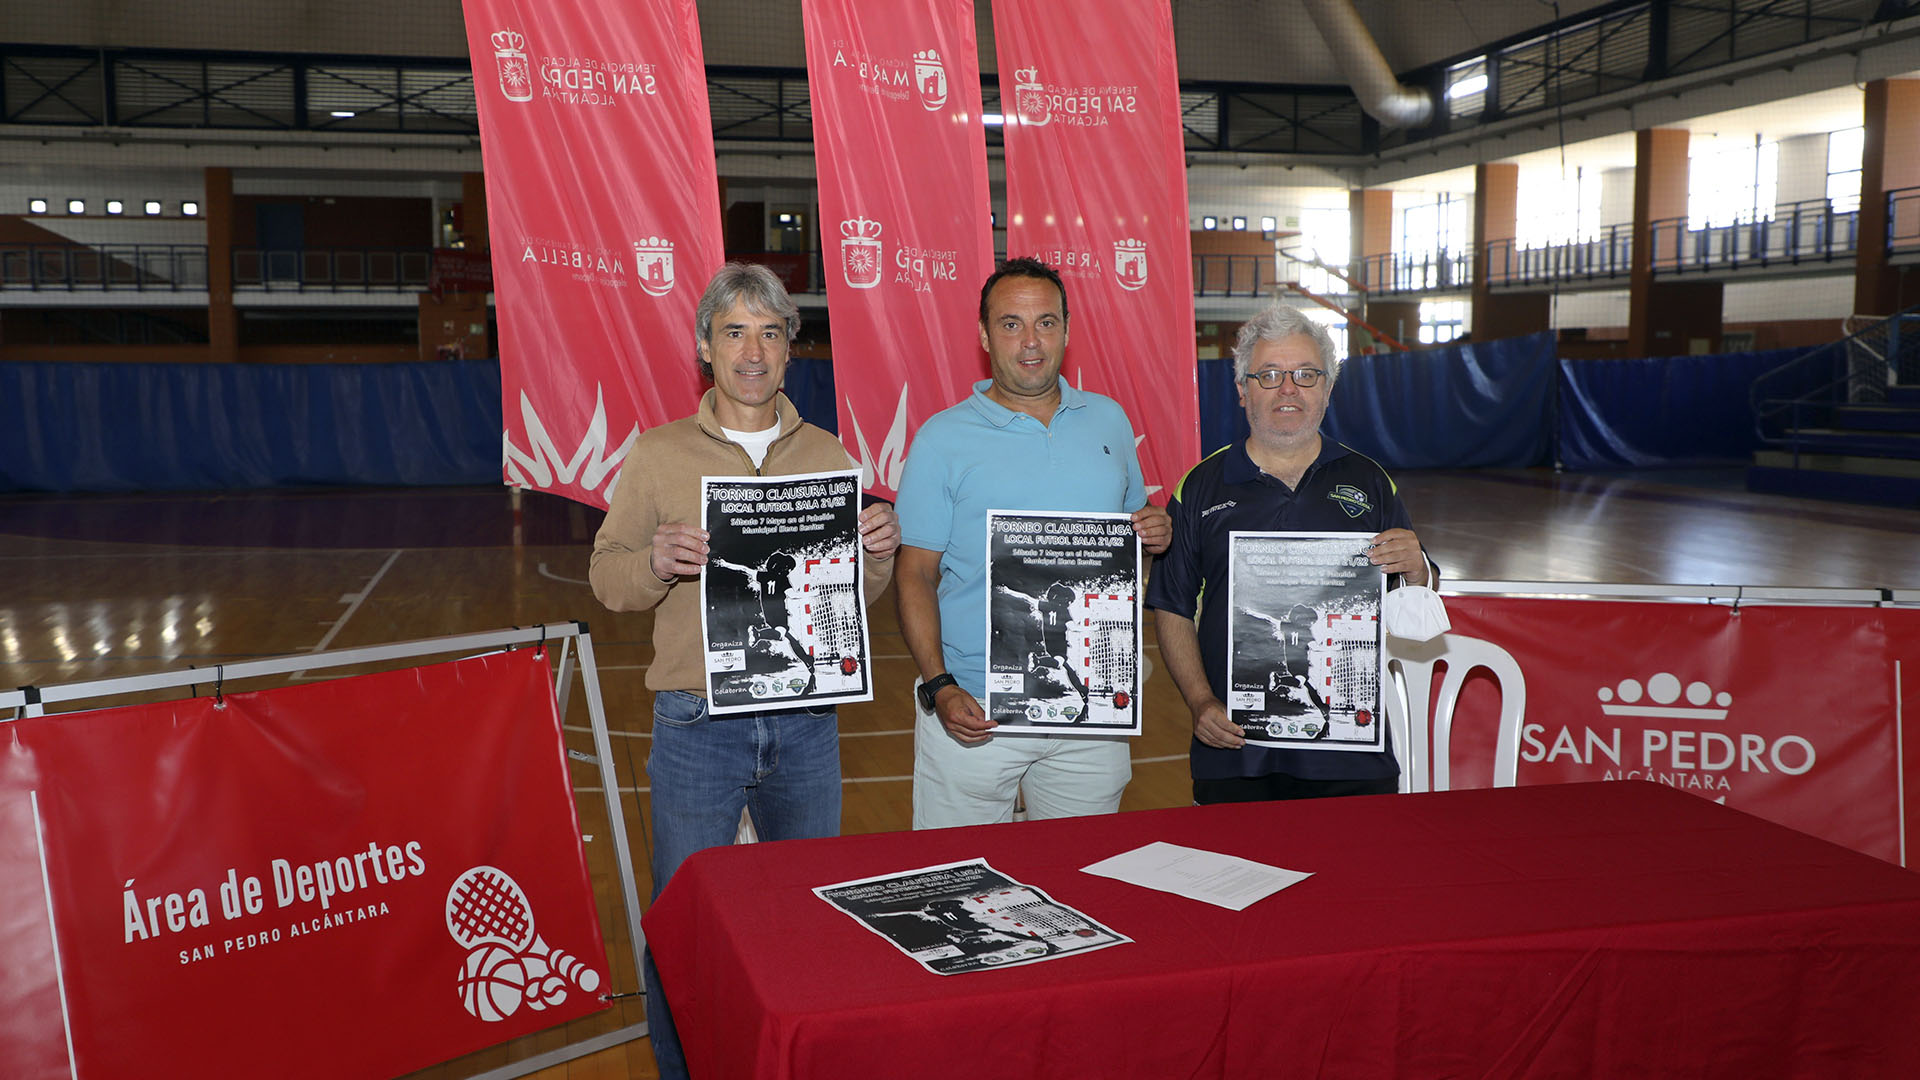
column 357, row 877
column 906, row 239
column 1097, row 188
column 1791, row 713
column 604, row 222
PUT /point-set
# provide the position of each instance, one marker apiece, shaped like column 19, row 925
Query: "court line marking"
column 356, row 599
column 551, row 576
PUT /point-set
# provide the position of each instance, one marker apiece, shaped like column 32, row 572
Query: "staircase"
column 1843, row 421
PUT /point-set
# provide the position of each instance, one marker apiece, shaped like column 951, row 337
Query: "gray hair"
column 732, row 284
column 1278, row 323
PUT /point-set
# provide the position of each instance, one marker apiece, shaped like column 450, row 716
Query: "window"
column 36, row 206
column 1442, row 320
column 1555, row 210
column 1844, row 151
column 1324, row 238
column 76, row 206
column 1467, row 88
column 1430, row 239
column 1732, row 185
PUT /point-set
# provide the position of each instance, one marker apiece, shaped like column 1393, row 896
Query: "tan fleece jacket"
column 659, row 483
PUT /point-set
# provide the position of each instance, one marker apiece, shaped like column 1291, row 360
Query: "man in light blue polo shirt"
column 1024, row 440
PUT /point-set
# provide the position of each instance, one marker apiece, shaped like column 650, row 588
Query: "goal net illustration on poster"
column 1303, row 640
column 1063, row 623
column 783, row 604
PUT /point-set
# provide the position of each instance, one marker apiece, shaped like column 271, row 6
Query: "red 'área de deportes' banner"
column 1097, row 187
column 1790, row 713
column 604, row 221
column 905, row 233
column 358, row 877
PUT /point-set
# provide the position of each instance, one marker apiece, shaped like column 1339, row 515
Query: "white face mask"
column 1414, row 612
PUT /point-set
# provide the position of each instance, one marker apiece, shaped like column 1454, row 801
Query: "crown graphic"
column 653, row 245
column 860, row 228
column 929, row 55
column 1026, row 75
column 1661, row 696
column 509, row 39
column 1130, row 246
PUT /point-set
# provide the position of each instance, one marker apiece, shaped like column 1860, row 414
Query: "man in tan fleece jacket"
column 782, row 766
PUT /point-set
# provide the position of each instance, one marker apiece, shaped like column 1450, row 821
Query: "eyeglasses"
column 1271, row 378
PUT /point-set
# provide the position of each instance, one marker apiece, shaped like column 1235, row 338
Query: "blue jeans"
column 783, row 767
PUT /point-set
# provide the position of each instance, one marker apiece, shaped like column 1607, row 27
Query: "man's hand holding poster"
column 783, row 603
column 1303, row 641
column 1063, row 623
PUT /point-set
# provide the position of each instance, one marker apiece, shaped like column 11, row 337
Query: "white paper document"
column 1224, row 880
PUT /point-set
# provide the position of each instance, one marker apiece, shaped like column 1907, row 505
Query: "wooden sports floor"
column 116, row 585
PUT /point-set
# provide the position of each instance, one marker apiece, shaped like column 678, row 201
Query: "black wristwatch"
column 932, row 687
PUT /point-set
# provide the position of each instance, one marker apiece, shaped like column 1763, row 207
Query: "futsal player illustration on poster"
column 1063, row 623
column 772, row 650
column 1303, row 640
column 966, row 916
column 782, row 607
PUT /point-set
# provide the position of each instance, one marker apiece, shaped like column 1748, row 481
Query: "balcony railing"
column 1235, row 275
column 1431, row 271
column 1799, row 233
column 103, row 267
column 1903, row 221
column 332, row 270
column 1603, row 258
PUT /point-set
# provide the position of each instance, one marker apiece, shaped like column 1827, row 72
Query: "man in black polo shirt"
column 1284, row 478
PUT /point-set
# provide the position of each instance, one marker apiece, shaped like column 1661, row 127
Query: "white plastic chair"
column 1423, row 729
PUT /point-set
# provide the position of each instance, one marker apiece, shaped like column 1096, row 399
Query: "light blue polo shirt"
column 980, row 455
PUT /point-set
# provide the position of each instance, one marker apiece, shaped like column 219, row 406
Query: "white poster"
column 1303, row 640
column 783, row 604
column 967, row 916
column 1063, row 623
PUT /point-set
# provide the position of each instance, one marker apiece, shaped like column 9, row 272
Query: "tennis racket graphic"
column 487, row 907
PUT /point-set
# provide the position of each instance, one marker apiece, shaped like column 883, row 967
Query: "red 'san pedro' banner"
column 359, row 877
column 1097, row 187
column 1791, row 713
column 604, row 220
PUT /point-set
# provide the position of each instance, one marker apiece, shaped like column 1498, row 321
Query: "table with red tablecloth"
column 1600, row 929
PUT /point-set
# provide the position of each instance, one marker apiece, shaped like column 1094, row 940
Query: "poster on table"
column 1303, row 637
column 783, row 607
column 966, row 916
column 1063, row 623
column 200, row 886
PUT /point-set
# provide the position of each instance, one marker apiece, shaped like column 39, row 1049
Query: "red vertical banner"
column 905, row 234
column 604, row 219
column 1097, row 187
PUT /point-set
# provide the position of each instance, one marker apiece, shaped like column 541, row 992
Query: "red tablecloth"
column 1608, row 930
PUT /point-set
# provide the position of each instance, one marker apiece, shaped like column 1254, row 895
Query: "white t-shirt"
column 755, row 443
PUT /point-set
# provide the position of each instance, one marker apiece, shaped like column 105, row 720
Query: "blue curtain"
column 1478, row 405
column 1665, row 411
column 152, row 427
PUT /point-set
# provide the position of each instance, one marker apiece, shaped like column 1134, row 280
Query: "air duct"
column 1360, row 60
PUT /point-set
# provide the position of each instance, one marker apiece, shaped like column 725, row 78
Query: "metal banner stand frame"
column 32, row 701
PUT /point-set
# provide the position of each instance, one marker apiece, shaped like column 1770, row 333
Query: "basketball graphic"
column 849, row 665
column 508, row 963
column 492, row 983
